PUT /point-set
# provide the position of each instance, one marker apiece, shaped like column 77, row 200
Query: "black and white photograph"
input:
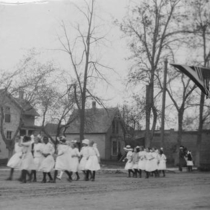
column 104, row 104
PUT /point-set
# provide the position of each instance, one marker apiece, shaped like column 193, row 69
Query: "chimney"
column 21, row 94
column 93, row 105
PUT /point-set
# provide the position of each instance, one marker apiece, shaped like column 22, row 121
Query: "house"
column 103, row 126
column 52, row 129
column 15, row 109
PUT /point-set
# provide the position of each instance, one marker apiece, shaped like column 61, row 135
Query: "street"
column 109, row 191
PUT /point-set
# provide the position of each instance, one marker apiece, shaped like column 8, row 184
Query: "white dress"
column 135, row 160
column 48, row 162
column 154, row 161
column 15, row 160
column 69, row 158
column 148, row 164
column 61, row 163
column 142, row 160
column 75, row 160
column 83, row 161
column 92, row 163
column 27, row 161
column 129, row 163
column 162, row 162
column 38, row 157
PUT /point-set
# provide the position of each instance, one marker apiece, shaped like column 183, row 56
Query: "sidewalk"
column 119, row 170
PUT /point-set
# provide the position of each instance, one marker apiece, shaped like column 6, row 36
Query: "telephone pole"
column 163, row 103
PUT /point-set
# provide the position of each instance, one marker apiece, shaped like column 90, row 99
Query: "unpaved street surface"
column 109, row 191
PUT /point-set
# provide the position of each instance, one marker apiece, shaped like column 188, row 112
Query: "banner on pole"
column 199, row 75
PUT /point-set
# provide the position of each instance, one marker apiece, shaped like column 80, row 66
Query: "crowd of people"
column 38, row 154
column 151, row 161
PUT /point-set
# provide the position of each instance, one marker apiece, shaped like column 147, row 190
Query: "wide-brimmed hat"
column 61, row 139
column 74, row 141
column 85, row 141
column 128, row 148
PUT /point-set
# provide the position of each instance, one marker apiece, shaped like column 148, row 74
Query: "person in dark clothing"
column 182, row 160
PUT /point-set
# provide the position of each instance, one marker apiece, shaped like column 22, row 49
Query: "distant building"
column 189, row 139
column 14, row 110
column 103, row 126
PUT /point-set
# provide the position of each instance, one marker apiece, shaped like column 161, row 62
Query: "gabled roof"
column 23, row 104
column 98, row 120
column 26, row 107
column 51, row 128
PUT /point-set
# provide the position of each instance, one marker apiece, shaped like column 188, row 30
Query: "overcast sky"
column 27, row 24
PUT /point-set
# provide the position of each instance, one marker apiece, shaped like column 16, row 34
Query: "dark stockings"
column 33, row 176
column 147, row 174
column 77, row 174
column 49, row 175
column 129, row 172
column 11, row 174
column 93, row 175
column 69, row 175
column 88, row 172
column 44, row 177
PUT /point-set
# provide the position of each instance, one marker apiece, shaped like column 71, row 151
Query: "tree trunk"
column 82, row 119
column 148, row 113
column 10, row 152
column 200, row 128
column 179, row 136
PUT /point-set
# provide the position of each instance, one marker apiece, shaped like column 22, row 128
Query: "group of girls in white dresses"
column 152, row 161
column 34, row 155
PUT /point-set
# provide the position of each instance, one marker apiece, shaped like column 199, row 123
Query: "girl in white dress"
column 129, row 159
column 15, row 160
column 162, row 163
column 148, row 165
column 84, row 156
column 69, row 159
column 27, row 162
column 75, row 159
column 61, row 163
column 189, row 160
column 93, row 161
column 142, row 161
column 154, row 162
column 47, row 165
column 38, row 157
column 135, row 161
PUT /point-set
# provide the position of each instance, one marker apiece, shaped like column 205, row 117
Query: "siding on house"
column 99, row 127
column 18, row 107
column 9, row 126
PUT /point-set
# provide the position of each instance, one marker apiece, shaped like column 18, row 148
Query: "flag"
column 199, row 75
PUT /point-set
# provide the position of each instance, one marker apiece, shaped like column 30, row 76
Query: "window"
column 9, row 135
column 115, row 126
column 114, row 148
column 7, row 118
column 7, row 114
column 22, row 132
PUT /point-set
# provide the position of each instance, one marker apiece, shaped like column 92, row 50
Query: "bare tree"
column 182, row 97
column 154, row 29
column 28, row 77
column 83, row 57
column 198, row 12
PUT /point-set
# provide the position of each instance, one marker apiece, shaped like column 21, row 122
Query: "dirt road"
column 109, row 191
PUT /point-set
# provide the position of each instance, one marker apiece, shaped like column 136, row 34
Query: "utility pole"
column 163, row 103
